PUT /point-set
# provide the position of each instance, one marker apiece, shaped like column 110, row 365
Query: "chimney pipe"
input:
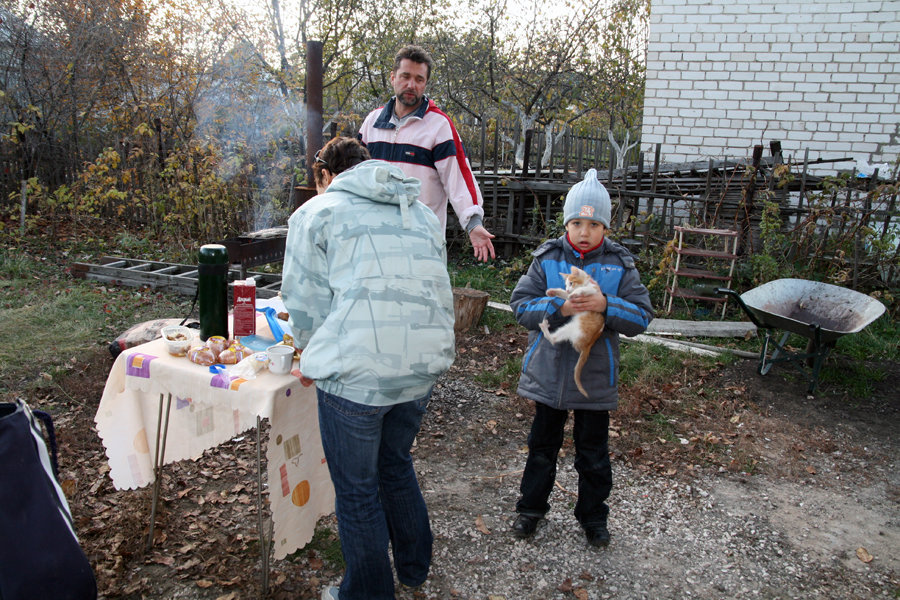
column 314, row 121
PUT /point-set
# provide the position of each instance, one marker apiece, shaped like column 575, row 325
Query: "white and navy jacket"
column 548, row 370
column 426, row 146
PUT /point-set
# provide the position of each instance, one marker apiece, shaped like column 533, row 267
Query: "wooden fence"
column 649, row 200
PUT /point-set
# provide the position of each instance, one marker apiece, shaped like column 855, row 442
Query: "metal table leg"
column 158, row 460
column 264, row 540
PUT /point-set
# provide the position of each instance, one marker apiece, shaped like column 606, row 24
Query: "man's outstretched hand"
column 481, row 243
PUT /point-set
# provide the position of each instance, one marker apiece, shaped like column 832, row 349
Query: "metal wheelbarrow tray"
column 818, row 311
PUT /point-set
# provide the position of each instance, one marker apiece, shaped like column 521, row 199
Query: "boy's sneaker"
column 330, row 593
column 524, row 526
column 597, row 535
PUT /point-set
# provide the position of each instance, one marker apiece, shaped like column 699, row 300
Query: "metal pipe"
column 314, row 120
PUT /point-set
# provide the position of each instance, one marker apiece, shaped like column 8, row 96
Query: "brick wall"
column 723, row 75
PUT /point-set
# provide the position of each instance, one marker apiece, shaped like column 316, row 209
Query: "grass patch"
column 47, row 320
column 326, row 543
column 653, row 364
column 497, row 320
column 854, row 378
column 879, row 341
column 660, row 426
column 508, row 372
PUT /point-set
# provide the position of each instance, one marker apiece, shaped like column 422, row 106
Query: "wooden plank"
column 722, row 329
column 740, row 329
column 691, row 347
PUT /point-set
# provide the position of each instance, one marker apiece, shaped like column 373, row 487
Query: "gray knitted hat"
column 588, row 199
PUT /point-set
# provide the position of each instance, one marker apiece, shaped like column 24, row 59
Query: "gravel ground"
column 708, row 535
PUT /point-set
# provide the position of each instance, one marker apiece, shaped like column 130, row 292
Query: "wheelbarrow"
column 818, row 311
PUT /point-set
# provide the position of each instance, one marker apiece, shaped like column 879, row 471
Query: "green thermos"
column 212, row 290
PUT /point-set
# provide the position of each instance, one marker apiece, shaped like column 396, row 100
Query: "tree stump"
column 469, row 305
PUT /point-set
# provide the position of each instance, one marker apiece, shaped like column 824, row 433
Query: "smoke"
column 260, row 136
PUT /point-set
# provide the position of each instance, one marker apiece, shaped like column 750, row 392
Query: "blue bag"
column 39, row 553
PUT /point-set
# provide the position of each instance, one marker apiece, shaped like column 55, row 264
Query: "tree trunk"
column 469, row 305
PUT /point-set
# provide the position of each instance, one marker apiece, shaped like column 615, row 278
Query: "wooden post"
column 612, row 163
column 709, row 170
column 651, row 200
column 580, row 157
column 749, row 198
column 552, row 152
column 620, row 214
column 496, row 146
column 24, row 204
column 483, row 144
column 636, row 207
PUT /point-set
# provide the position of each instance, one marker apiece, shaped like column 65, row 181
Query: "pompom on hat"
column 588, row 199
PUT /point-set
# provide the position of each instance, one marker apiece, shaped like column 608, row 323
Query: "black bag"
column 39, row 554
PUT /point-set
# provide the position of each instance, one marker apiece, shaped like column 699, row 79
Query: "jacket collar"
column 384, row 119
column 589, row 250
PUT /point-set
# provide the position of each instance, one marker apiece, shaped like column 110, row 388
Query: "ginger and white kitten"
column 584, row 328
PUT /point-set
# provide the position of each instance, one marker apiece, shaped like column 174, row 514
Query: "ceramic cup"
column 281, row 358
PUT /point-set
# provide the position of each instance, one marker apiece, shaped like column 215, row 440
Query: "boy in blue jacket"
column 548, row 370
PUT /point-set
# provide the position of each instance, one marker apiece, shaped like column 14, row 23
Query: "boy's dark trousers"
column 591, row 434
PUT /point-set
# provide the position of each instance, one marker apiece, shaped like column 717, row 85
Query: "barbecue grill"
column 256, row 248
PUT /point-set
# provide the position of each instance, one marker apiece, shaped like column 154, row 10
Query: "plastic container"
column 212, row 290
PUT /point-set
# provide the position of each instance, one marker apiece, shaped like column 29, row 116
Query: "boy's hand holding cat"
column 577, row 303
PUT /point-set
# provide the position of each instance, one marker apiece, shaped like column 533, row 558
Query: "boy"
column 548, row 370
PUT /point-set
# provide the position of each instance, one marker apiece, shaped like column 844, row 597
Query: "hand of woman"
column 304, row 381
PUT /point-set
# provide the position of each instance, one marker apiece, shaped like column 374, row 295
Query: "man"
column 412, row 132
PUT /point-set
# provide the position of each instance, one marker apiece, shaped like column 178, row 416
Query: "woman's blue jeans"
column 378, row 499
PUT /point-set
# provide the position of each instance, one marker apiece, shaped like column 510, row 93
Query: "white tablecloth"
column 208, row 409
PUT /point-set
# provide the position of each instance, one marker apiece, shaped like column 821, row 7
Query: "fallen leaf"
column 581, row 594
column 480, row 526
column 811, row 470
column 69, row 487
column 204, row 583
column 565, row 586
column 164, row 560
column 863, row 555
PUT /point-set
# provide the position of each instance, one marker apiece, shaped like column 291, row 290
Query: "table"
column 202, row 410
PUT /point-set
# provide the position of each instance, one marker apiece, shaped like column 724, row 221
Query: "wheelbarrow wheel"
column 766, row 362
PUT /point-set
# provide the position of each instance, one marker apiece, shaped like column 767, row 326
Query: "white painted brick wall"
column 818, row 74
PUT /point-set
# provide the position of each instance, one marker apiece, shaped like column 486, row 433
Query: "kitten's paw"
column 545, row 327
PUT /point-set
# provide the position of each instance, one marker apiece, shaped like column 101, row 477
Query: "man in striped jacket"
column 413, row 133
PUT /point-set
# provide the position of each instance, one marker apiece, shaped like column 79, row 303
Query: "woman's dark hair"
column 338, row 155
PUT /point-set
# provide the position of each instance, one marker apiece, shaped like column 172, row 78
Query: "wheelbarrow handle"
column 737, row 297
